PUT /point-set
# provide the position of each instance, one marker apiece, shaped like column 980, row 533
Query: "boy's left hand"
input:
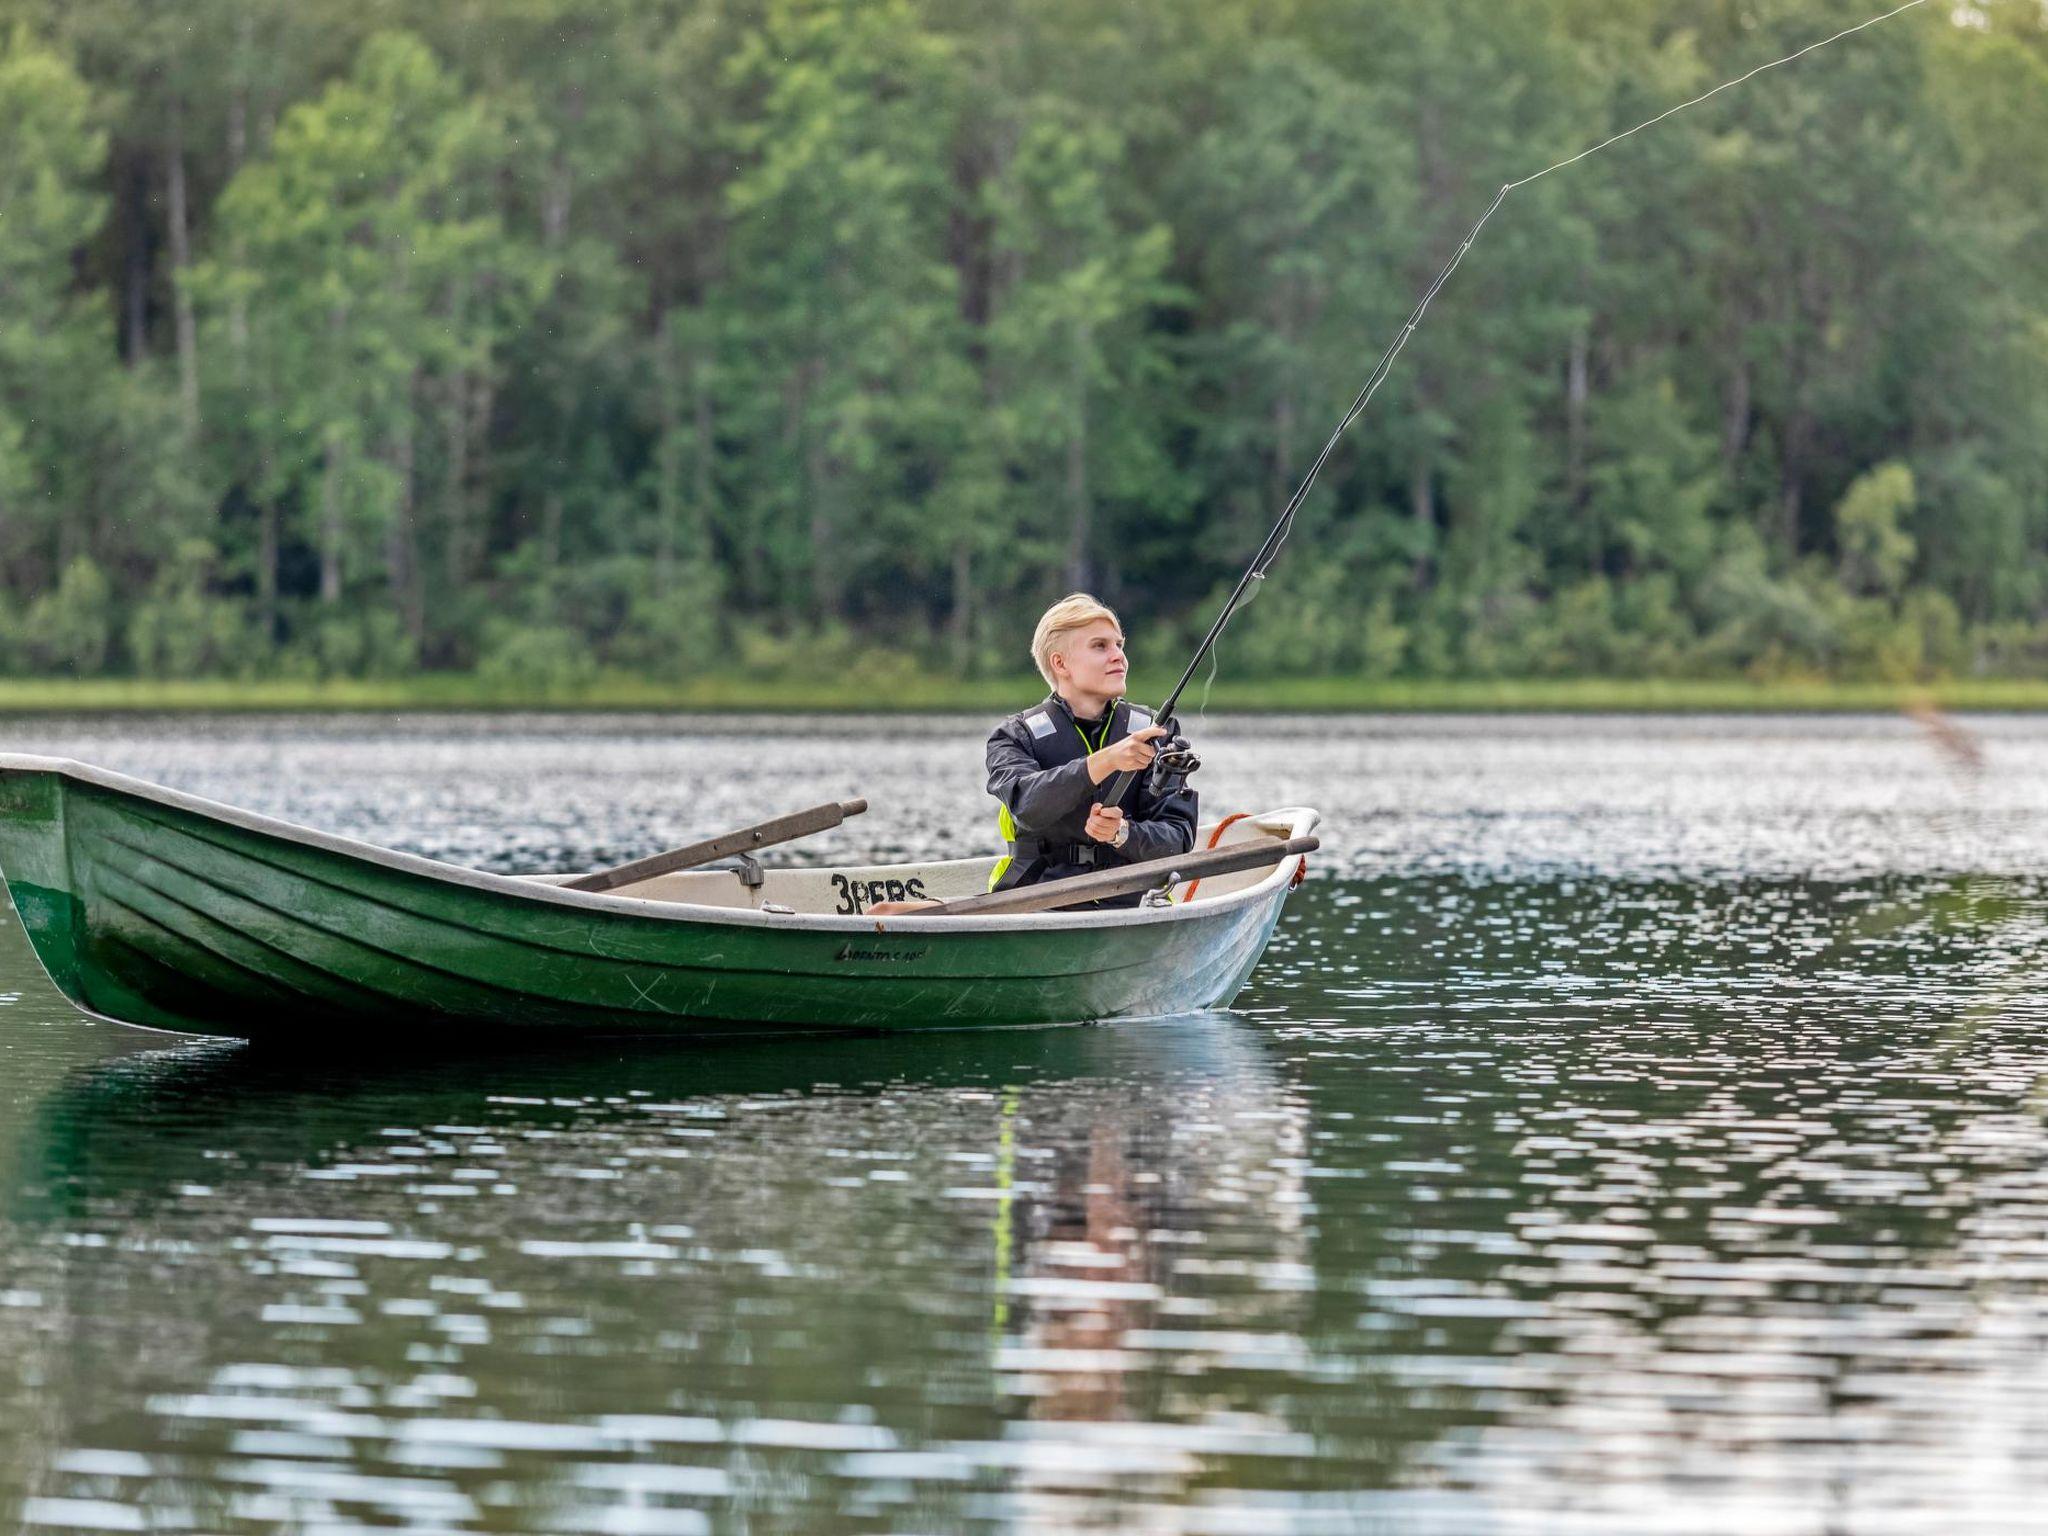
column 1103, row 820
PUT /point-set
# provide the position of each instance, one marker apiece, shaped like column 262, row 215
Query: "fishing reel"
column 1176, row 760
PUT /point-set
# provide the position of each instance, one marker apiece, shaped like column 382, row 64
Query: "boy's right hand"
column 1133, row 754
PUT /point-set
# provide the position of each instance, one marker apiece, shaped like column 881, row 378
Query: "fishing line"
column 1216, row 659
column 1277, row 539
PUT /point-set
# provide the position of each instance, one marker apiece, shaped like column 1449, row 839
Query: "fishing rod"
column 1284, row 524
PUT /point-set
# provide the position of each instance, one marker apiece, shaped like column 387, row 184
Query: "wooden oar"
column 1054, row 894
column 782, row 829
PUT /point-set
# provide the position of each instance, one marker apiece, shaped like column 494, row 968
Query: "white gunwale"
column 1292, row 821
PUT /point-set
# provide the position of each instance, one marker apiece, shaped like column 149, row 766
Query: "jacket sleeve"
column 1037, row 797
column 1163, row 825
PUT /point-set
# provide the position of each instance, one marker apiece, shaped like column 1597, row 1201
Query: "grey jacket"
column 1037, row 769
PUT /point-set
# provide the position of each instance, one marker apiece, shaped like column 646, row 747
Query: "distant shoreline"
column 455, row 692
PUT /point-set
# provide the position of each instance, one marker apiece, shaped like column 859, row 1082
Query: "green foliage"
column 368, row 643
column 54, row 148
column 68, row 630
column 804, row 336
column 548, row 659
column 671, row 628
column 1876, row 551
column 181, row 629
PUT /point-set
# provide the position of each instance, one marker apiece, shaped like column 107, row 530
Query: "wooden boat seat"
column 851, row 890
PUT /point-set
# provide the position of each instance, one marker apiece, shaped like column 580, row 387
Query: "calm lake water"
column 1636, row 1125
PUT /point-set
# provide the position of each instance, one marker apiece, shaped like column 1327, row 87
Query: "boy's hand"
column 1103, row 820
column 1133, row 754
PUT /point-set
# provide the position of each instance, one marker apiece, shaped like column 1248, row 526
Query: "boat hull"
column 158, row 909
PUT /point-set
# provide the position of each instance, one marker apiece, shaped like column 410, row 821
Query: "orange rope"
column 1215, row 837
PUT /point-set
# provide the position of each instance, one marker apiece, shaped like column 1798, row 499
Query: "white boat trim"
column 1291, row 821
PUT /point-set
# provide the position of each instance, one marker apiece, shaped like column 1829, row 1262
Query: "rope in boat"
column 1270, row 550
column 1216, row 837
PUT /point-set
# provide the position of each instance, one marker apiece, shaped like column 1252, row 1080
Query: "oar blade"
column 780, row 829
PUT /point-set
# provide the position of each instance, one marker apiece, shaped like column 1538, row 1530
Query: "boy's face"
column 1092, row 660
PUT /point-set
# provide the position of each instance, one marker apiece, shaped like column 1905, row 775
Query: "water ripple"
column 1636, row 1126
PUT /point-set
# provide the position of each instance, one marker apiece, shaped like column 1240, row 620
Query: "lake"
column 1636, row 1124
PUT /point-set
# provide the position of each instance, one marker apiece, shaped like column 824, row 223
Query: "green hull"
column 159, row 909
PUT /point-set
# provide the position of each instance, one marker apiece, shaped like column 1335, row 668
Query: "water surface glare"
column 1637, row 1125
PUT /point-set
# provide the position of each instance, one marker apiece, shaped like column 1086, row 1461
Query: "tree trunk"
column 135, row 274
column 1280, row 490
column 238, row 151
column 238, row 305
column 554, row 207
column 551, row 535
column 181, row 261
column 1434, row 174
column 330, row 476
column 828, row 589
column 476, row 517
column 1576, row 390
column 970, row 235
column 1809, row 327
column 455, row 428
column 1791, row 488
column 963, row 608
column 668, row 470
column 555, row 203
column 828, row 586
column 702, row 486
column 330, row 520
column 683, row 524
column 470, row 399
column 1422, row 507
column 266, row 564
column 402, row 556
column 1080, row 510
column 455, row 493
column 1793, row 446
column 1735, row 415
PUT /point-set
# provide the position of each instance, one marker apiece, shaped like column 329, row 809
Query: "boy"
column 1048, row 764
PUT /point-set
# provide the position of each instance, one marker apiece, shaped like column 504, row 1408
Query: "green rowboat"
column 160, row 909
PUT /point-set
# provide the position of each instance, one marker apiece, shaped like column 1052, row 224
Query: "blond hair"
column 1077, row 610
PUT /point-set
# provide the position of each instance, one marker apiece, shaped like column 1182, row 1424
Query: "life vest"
column 1054, row 738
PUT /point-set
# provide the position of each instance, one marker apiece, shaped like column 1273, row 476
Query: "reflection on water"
column 1559, row 1198
column 902, row 1282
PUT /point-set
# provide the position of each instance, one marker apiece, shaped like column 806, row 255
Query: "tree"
column 363, row 271
column 844, row 306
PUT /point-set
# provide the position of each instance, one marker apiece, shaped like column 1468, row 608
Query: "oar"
column 1054, row 894
column 782, row 829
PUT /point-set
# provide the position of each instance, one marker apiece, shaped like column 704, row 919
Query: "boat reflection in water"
column 1032, row 1280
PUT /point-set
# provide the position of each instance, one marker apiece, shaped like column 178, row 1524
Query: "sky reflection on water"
column 1550, row 1178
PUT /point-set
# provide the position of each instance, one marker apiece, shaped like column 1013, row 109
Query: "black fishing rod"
column 1268, row 551
column 1256, row 571
column 1284, row 524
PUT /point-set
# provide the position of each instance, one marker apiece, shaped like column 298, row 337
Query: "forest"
column 538, row 341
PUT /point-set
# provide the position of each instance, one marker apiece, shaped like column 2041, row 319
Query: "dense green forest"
column 538, row 338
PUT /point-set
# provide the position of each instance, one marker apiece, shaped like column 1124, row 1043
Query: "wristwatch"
column 1123, row 835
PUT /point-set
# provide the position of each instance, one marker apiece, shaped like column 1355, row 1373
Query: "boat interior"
column 849, row 891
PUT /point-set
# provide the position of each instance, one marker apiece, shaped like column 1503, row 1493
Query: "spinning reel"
column 1176, row 760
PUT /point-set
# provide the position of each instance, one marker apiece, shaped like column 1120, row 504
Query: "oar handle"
column 1050, row 895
